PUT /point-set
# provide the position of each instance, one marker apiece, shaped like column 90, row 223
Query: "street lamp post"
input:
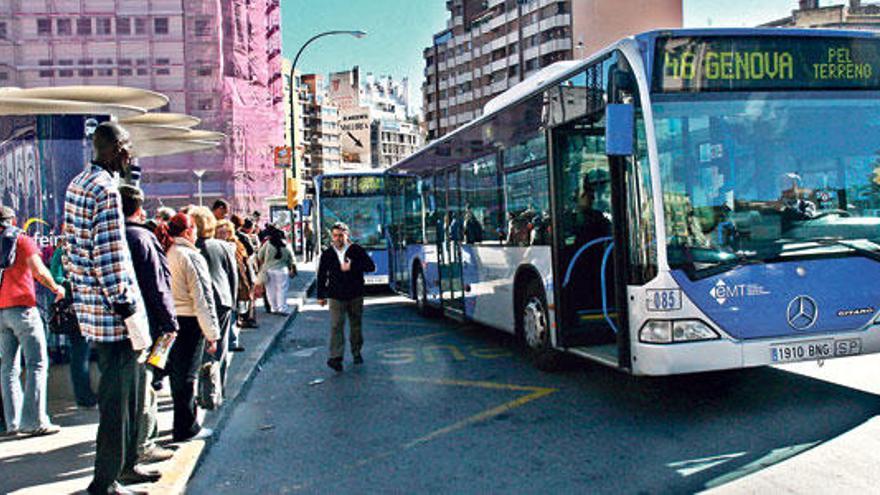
column 199, row 173
column 293, row 90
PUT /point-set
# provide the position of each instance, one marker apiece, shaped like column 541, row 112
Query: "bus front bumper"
column 694, row 357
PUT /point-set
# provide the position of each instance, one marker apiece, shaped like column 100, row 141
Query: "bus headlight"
column 672, row 331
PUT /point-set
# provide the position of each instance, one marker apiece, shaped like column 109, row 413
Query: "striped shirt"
column 97, row 259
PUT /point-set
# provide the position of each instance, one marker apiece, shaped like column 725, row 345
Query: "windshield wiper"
column 831, row 241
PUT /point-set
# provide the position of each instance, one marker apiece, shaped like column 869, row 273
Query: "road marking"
column 536, row 393
column 693, row 466
column 774, row 457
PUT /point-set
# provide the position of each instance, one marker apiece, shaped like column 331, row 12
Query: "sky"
column 399, row 30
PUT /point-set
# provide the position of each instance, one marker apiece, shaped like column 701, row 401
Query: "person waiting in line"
column 197, row 321
column 21, row 331
column 105, row 297
column 340, row 280
column 246, row 314
column 224, row 280
column 154, row 280
column 226, row 232
column 80, row 351
column 277, row 266
column 220, row 209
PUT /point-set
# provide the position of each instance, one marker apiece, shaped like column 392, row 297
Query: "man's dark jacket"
column 333, row 283
column 153, row 278
column 220, row 256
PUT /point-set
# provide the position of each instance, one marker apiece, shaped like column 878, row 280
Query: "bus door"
column 395, row 226
column 583, row 247
column 449, row 237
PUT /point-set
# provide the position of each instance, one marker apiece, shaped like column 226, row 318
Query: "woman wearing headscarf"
column 194, row 304
column 276, row 267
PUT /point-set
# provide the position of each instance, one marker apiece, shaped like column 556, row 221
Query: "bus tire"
column 533, row 326
column 420, row 292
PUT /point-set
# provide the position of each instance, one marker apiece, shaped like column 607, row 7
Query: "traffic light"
column 292, row 193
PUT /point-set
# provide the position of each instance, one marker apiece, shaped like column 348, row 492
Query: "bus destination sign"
column 352, row 185
column 765, row 63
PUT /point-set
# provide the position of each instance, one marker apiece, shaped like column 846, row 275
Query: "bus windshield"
column 754, row 177
column 362, row 214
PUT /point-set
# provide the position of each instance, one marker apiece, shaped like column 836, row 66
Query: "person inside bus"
column 473, row 230
column 584, row 288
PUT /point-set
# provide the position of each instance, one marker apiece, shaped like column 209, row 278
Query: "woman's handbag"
column 62, row 318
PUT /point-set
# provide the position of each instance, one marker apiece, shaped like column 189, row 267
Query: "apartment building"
column 490, row 45
column 377, row 127
column 322, row 151
column 219, row 60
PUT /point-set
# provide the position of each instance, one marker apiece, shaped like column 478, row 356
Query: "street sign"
column 283, row 156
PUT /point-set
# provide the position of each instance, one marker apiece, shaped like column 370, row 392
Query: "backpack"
column 8, row 244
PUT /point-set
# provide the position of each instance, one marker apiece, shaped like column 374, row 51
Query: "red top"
column 17, row 288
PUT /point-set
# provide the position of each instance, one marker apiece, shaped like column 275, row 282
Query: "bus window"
column 479, row 183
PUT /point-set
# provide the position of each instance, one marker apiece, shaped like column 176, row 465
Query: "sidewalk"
column 63, row 463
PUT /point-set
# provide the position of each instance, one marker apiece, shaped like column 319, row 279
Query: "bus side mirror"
column 619, row 129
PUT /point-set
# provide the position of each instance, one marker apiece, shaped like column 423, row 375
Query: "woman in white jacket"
column 194, row 303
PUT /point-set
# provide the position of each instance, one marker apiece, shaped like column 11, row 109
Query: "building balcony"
column 557, row 45
column 499, row 86
column 498, row 65
column 464, row 77
column 560, row 20
column 497, row 21
column 443, row 84
column 499, row 42
column 493, row 3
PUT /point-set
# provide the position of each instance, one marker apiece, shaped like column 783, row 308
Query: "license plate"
column 815, row 349
column 375, row 279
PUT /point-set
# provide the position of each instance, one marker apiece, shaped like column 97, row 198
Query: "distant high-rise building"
column 219, row 60
column 852, row 15
column 376, row 124
column 321, row 123
column 490, row 45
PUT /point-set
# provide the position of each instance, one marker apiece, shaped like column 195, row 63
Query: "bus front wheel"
column 534, row 327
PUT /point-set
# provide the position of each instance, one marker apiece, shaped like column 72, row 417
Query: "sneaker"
column 155, row 454
column 335, row 364
column 136, row 476
column 203, row 434
column 358, row 359
column 43, row 431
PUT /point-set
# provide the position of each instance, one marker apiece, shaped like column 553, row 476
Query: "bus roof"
column 528, row 88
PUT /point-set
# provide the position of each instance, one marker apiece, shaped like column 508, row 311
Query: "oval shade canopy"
column 140, row 132
column 175, row 119
column 115, row 95
column 37, row 106
column 162, row 147
column 200, row 135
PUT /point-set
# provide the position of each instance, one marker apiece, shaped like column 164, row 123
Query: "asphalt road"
column 446, row 407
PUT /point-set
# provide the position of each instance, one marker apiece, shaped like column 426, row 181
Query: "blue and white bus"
column 358, row 200
column 682, row 201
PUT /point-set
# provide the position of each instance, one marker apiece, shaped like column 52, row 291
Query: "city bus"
column 358, row 200
column 681, row 201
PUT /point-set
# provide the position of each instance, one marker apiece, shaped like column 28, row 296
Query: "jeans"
column 226, row 322
column 148, row 410
column 21, row 329
column 183, row 364
column 116, row 449
column 79, row 371
column 339, row 310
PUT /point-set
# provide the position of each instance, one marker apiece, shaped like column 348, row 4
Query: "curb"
column 190, row 455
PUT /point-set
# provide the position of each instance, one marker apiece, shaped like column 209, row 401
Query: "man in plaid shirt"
column 105, row 293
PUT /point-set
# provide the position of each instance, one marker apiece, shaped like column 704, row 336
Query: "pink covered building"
column 219, row 60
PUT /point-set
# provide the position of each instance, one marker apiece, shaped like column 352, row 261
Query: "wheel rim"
column 420, row 290
column 535, row 323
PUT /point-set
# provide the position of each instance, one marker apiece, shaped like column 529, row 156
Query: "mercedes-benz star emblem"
column 802, row 312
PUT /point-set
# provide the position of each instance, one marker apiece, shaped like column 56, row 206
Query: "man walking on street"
column 154, row 282
column 105, row 294
column 21, row 331
column 341, row 269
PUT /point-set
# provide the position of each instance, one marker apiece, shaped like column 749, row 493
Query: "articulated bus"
column 682, row 201
column 357, row 200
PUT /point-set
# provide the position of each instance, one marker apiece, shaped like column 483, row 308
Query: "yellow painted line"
column 536, row 393
column 179, row 469
column 483, row 416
